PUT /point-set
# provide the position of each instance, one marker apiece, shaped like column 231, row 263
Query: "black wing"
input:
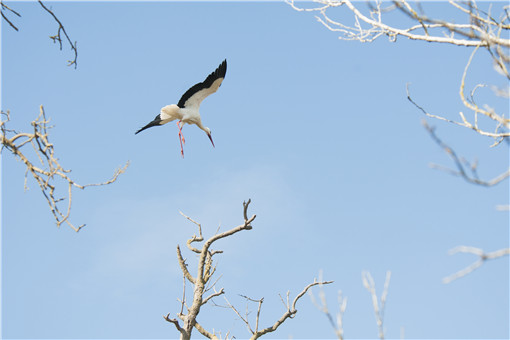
column 198, row 92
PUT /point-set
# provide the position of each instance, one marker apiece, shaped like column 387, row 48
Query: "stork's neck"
column 199, row 124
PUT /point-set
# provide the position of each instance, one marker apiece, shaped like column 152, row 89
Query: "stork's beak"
column 210, row 137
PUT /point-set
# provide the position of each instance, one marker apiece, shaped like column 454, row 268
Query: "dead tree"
column 202, row 284
column 50, row 170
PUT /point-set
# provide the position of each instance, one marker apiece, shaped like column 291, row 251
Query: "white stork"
column 186, row 111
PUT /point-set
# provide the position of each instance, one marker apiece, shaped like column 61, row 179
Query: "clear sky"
column 316, row 131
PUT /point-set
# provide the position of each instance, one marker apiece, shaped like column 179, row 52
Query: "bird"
column 186, row 111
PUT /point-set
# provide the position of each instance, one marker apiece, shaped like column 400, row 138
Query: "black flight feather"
column 217, row 74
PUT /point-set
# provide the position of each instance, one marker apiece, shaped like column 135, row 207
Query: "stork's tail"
column 156, row 122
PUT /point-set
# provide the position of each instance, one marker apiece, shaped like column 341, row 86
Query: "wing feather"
column 198, row 92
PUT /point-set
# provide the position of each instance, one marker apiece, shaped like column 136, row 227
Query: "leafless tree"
column 50, row 170
column 202, row 285
column 481, row 29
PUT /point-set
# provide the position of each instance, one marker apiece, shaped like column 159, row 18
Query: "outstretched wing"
column 198, row 92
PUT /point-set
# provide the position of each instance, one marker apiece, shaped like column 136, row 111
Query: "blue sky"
column 316, row 131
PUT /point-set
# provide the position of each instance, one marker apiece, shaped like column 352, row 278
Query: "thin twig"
column 58, row 38
column 5, row 7
column 461, row 171
column 323, row 307
column 291, row 310
column 378, row 305
column 482, row 257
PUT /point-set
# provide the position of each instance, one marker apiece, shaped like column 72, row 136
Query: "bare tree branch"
column 7, row 8
column 244, row 319
column 184, row 266
column 205, row 333
column 323, row 307
column 215, row 294
column 499, row 119
column 369, row 284
column 477, row 264
column 462, row 164
column 369, row 25
column 50, row 170
column 291, row 311
column 174, row 321
column 57, row 37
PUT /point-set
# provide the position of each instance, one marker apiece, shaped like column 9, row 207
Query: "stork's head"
column 208, row 131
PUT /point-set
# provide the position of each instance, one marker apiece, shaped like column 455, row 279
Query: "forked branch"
column 289, row 313
column 58, row 37
column 378, row 304
column 465, row 169
column 6, row 10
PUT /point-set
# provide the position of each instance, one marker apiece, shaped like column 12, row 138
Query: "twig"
column 58, row 38
column 369, row 284
column 194, row 238
column 5, row 7
column 323, row 307
column 461, row 164
column 291, row 310
column 174, row 321
column 477, row 264
column 213, row 295
column 245, row 320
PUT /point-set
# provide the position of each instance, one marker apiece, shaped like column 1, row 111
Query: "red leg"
column 181, row 138
column 181, row 135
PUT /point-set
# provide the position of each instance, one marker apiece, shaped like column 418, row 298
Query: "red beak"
column 209, row 135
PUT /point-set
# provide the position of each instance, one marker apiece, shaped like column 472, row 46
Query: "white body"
column 187, row 115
